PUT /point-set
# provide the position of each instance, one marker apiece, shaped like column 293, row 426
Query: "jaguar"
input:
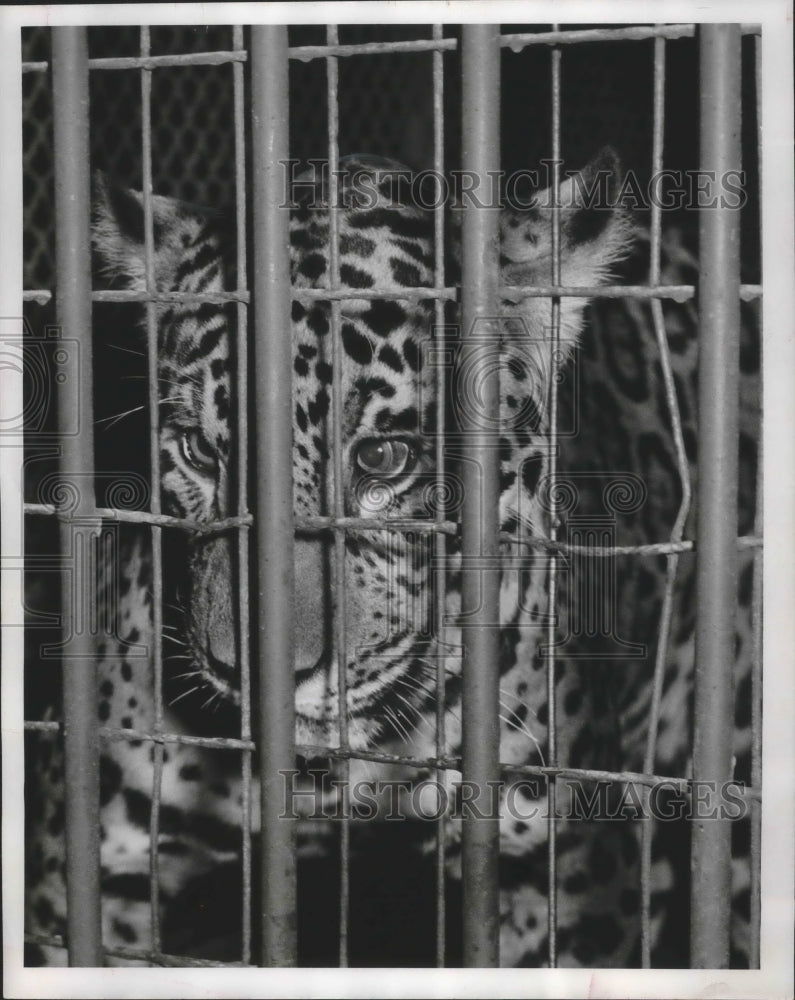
column 614, row 417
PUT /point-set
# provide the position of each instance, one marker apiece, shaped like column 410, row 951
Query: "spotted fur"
column 388, row 383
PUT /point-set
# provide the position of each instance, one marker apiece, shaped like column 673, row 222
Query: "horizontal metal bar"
column 191, row 298
column 145, row 517
column 140, row 954
column 319, row 523
column 158, row 62
column 306, row 53
column 679, row 293
column 173, row 961
column 344, row 294
column 41, row 727
column 327, row 522
column 151, row 62
column 311, row 751
column 608, row 551
column 516, row 42
column 114, row 735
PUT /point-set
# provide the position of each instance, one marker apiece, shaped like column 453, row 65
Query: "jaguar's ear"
column 117, row 233
column 594, row 234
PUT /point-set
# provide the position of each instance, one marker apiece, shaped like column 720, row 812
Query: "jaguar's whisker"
column 185, row 694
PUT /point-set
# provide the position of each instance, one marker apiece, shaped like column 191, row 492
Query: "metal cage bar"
column 273, row 363
column 554, row 346
column 154, row 458
column 340, row 643
column 719, row 295
column 241, row 384
column 716, row 554
column 679, row 293
column 440, row 543
column 756, row 599
column 305, row 53
column 480, row 65
column 683, row 471
column 73, row 282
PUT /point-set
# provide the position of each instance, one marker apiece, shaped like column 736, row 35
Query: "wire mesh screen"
column 590, row 699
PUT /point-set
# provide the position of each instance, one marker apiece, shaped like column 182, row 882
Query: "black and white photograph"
column 397, row 437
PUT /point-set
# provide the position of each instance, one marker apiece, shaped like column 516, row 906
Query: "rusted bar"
column 683, row 469
column 154, row 459
column 321, row 523
column 159, row 62
column 147, row 517
column 340, row 643
column 305, row 53
column 679, row 293
column 152, row 958
column 516, row 42
column 440, row 543
column 241, row 385
column 73, row 297
column 274, row 450
column 308, row 750
column 191, row 298
column 755, row 919
column 552, row 751
column 716, row 555
column 480, row 511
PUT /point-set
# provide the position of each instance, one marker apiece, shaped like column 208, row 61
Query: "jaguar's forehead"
column 385, row 245
column 382, row 243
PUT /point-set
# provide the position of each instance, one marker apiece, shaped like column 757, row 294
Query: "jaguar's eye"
column 198, row 452
column 384, row 458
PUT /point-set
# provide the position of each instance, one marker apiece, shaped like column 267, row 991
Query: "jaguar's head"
column 381, row 461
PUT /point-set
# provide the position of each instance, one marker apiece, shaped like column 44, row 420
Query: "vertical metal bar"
column 672, row 561
column 73, row 278
column 241, row 395
column 154, row 458
column 439, row 542
column 274, row 453
column 755, row 860
column 755, row 916
column 340, row 640
column 552, row 468
column 716, row 553
column 480, row 513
